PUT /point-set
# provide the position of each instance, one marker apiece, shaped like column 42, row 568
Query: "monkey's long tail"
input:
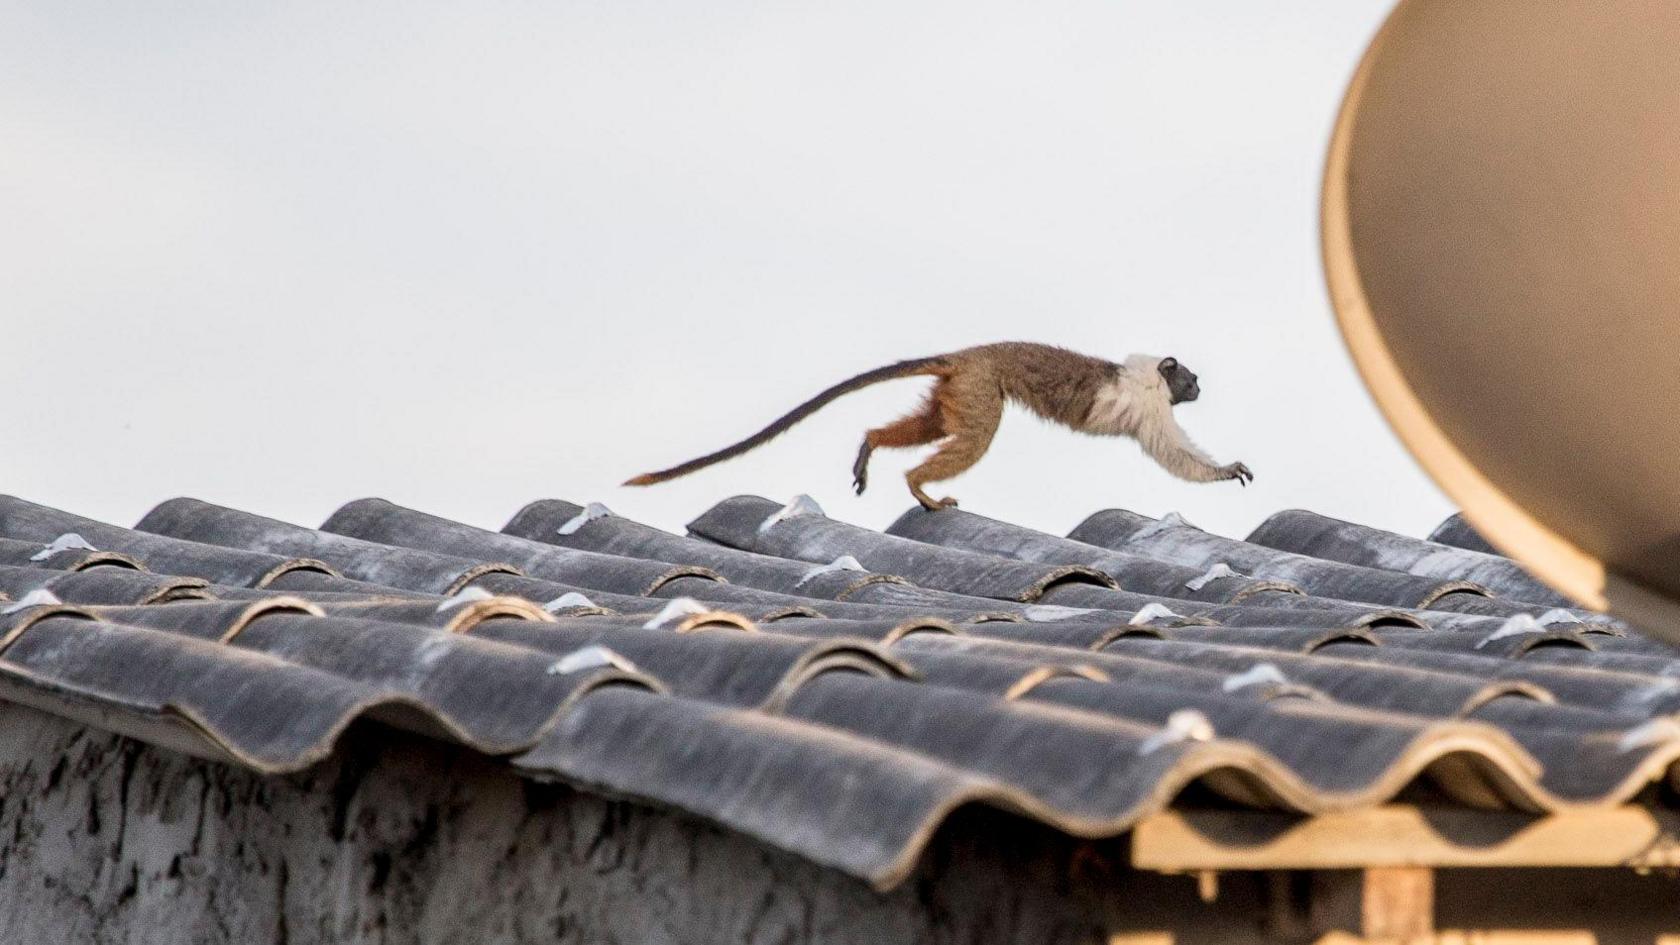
column 888, row 373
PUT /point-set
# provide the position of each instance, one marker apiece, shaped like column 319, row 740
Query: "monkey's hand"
column 1237, row 471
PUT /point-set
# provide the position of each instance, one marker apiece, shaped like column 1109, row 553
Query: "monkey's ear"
column 1168, row 364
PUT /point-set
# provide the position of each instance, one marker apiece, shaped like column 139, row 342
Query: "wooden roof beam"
column 1405, row 836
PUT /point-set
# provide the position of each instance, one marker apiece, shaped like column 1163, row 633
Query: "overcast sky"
column 281, row 256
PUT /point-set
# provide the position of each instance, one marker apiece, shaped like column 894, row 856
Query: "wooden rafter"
column 1400, row 836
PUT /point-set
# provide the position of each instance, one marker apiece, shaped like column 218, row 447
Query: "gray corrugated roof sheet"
column 1323, row 537
column 835, row 691
column 1457, row 532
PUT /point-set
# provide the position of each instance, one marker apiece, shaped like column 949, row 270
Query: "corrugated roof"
column 835, row 691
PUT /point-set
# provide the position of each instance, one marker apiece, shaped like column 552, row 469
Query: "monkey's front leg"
column 1168, row 444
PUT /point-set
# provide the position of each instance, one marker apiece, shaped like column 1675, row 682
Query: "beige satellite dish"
column 1502, row 242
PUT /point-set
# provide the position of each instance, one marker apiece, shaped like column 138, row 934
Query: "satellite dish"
column 1502, row 241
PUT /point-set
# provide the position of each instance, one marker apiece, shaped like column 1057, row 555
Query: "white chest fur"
column 1116, row 408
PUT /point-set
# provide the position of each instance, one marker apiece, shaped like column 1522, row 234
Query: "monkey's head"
column 1181, row 381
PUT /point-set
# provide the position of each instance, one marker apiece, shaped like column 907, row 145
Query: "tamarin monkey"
column 1085, row 394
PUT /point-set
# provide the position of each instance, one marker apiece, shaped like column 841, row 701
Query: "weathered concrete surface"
column 399, row 839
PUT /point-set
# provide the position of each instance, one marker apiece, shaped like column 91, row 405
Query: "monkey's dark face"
column 1181, row 381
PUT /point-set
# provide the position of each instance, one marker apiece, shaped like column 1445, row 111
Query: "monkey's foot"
column 860, row 468
column 948, row 503
column 929, row 502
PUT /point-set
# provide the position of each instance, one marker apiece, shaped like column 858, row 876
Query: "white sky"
column 281, row 256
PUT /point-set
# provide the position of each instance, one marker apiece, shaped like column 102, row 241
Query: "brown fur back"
column 1055, row 383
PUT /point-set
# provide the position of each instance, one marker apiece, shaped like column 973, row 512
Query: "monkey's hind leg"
column 914, row 430
column 970, row 409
